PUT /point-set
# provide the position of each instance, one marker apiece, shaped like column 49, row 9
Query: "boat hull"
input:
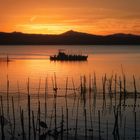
column 80, row 58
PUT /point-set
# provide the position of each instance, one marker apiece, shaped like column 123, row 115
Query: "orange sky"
column 57, row 16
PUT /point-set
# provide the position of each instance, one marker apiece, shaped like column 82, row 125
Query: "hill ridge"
column 70, row 37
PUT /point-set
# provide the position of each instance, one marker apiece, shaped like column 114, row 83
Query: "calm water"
column 33, row 62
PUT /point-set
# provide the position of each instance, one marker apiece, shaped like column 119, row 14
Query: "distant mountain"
column 68, row 38
column 75, row 33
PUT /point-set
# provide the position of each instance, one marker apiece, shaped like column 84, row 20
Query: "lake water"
column 32, row 62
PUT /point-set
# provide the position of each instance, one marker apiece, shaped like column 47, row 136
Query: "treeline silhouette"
column 68, row 38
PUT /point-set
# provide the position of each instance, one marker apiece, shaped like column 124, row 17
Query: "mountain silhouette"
column 68, row 38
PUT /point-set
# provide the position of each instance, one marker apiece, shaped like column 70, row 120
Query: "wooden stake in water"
column 115, row 88
column 81, row 84
column 91, row 122
column 67, row 120
column 29, row 117
column 33, row 123
column 73, row 87
column 39, row 88
column 95, row 93
column 7, row 96
column 135, row 123
column 120, row 93
column 110, row 90
column 85, row 124
column 89, row 85
column 66, row 87
column 74, row 96
column 62, row 125
column 124, row 128
column 116, row 128
column 107, row 130
column 22, row 124
column 46, row 93
column 18, row 92
column 14, row 120
column 51, row 119
column 55, row 85
column 124, row 82
column 104, row 89
column 39, row 118
column 99, row 125
column 66, row 93
column 75, row 137
column 29, row 108
column 94, row 84
column 2, row 120
column 135, row 91
column 67, row 108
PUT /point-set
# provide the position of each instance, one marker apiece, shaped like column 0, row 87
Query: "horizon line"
column 71, row 31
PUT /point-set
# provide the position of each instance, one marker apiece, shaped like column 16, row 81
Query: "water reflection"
column 31, row 69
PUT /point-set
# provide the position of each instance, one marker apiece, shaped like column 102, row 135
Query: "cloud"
column 33, row 18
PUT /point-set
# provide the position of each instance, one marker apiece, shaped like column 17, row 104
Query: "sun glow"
column 44, row 28
column 55, row 17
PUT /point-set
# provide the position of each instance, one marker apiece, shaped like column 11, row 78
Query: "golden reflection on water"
column 35, row 69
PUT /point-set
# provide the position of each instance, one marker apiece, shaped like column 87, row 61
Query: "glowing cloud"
column 53, row 16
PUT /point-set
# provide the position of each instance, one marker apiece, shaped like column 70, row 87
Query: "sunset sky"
column 57, row 16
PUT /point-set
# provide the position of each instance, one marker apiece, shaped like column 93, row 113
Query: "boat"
column 62, row 56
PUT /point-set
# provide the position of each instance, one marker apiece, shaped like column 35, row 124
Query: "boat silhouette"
column 62, row 56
